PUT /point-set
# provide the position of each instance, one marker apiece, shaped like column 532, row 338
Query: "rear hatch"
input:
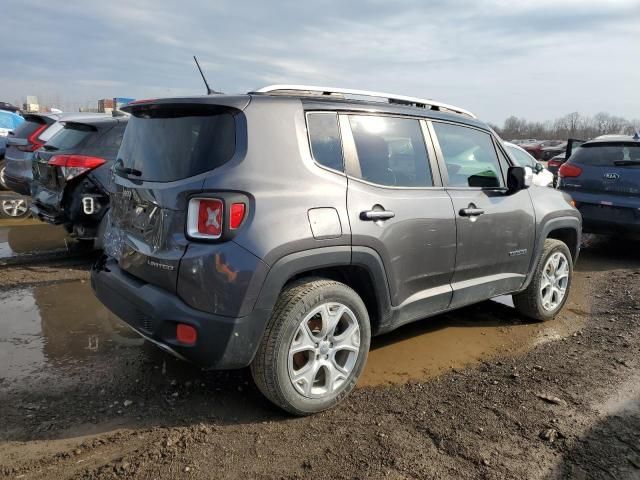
column 23, row 142
column 168, row 149
column 77, row 149
column 607, row 167
column 604, row 174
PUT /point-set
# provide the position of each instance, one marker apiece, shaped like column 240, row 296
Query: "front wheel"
column 549, row 289
column 314, row 348
column 3, row 183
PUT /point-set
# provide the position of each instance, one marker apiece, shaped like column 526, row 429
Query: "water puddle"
column 62, row 331
column 50, row 330
column 28, row 237
column 461, row 338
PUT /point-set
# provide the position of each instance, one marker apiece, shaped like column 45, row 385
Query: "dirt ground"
column 477, row 393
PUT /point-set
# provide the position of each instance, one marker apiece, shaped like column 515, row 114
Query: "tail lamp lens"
column 75, row 165
column 237, row 215
column 568, row 170
column 205, row 218
column 34, row 143
column 186, row 334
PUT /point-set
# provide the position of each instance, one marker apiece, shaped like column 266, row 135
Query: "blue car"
column 603, row 178
column 9, row 121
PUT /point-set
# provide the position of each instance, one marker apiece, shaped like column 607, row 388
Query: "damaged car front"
column 72, row 173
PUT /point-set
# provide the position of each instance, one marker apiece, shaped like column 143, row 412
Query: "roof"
column 612, row 139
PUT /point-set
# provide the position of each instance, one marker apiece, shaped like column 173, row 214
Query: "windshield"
column 608, row 154
column 163, row 143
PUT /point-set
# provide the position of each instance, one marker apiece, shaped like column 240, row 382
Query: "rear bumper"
column 222, row 343
column 599, row 216
column 18, row 185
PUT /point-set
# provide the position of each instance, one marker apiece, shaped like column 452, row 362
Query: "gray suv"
column 281, row 229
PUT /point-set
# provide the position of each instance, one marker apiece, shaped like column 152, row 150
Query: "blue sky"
column 536, row 59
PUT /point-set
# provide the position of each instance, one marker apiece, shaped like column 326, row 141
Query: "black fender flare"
column 326, row 257
column 542, row 234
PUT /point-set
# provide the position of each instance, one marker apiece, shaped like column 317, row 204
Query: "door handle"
column 471, row 212
column 377, row 215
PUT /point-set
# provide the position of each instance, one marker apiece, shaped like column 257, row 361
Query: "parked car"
column 6, row 106
column 235, row 240
column 9, row 121
column 71, row 174
column 25, row 140
column 603, row 178
column 551, row 149
column 536, row 149
column 542, row 177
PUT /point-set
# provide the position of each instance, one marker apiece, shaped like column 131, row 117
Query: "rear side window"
column 72, row 135
column 469, row 155
column 391, row 151
column 618, row 154
column 324, row 138
column 163, row 143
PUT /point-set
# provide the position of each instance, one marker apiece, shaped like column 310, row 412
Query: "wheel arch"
column 360, row 268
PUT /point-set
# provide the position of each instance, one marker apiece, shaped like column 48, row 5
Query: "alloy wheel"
column 15, row 207
column 324, row 350
column 555, row 279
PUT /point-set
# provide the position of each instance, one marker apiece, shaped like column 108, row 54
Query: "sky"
column 537, row 59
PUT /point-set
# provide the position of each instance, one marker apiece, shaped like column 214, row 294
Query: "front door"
column 398, row 207
column 495, row 228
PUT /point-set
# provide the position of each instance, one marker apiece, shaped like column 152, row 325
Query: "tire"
column 3, row 185
column 537, row 301
column 302, row 320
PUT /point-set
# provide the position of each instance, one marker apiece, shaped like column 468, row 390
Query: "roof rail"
column 389, row 97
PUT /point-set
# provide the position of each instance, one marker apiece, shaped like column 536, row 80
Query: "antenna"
column 209, row 91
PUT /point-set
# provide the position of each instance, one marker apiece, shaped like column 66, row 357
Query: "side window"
column 469, row 155
column 324, row 136
column 391, row 151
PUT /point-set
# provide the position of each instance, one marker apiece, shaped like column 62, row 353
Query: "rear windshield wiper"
column 622, row 163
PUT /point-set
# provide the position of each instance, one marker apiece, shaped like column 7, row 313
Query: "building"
column 105, row 105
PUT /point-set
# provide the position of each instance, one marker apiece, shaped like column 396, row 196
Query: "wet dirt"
column 29, row 237
column 456, row 396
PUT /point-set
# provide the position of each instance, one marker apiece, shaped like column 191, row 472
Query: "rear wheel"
column 314, row 348
column 3, row 183
column 548, row 291
column 14, row 207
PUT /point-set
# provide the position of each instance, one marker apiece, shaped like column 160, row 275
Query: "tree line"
column 572, row 125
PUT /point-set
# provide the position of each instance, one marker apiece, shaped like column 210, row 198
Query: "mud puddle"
column 50, row 331
column 29, row 237
column 465, row 337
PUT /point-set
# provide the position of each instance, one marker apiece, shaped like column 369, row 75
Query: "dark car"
column 603, row 178
column 25, row 140
column 281, row 229
column 553, row 148
column 71, row 174
column 9, row 107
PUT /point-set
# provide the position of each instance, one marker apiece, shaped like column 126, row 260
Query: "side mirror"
column 538, row 168
column 519, row 178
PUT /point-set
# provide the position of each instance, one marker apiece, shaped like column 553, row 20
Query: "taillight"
column 554, row 163
column 237, row 215
column 205, row 217
column 568, row 170
column 75, row 165
column 211, row 218
column 34, row 143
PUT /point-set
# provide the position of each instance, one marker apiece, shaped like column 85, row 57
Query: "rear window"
column 72, row 135
column 163, row 143
column 607, row 154
column 28, row 127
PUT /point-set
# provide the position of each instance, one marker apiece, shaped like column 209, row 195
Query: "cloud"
column 537, row 59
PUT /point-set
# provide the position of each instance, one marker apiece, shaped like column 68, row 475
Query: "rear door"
column 495, row 229
column 166, row 150
column 398, row 208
